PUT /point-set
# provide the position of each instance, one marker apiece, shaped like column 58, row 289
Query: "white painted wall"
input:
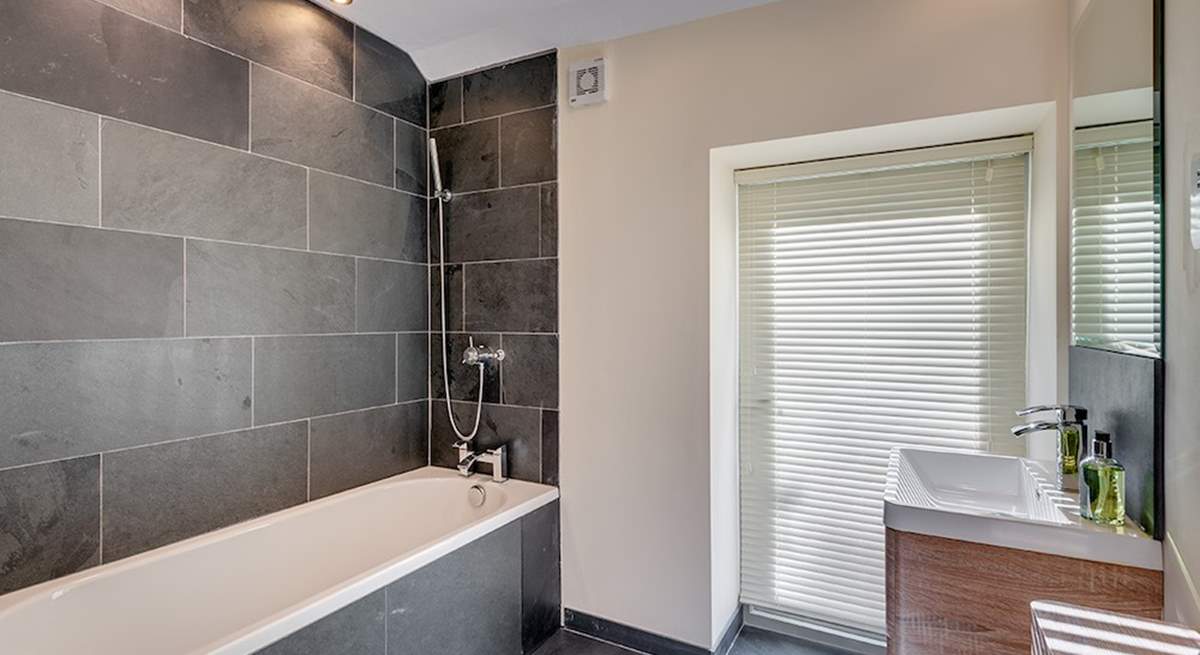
column 646, row 536
column 1182, row 349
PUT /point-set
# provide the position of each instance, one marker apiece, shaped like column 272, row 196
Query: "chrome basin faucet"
column 497, row 457
column 1070, row 422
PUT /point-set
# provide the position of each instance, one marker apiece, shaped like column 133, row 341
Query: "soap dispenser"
column 1102, row 488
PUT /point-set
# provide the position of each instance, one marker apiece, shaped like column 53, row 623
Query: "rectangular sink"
column 1010, row 502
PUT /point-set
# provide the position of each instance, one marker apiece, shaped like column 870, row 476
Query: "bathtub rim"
column 317, row 606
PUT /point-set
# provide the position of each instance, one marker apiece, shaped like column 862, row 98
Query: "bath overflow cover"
column 477, row 495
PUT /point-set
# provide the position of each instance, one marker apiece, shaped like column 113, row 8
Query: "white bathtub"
column 241, row 588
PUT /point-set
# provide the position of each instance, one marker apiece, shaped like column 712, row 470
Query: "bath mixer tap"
column 1070, row 422
column 497, row 457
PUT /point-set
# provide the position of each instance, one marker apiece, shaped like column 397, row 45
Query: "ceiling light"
column 341, row 2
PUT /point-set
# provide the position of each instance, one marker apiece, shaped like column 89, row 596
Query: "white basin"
column 1003, row 501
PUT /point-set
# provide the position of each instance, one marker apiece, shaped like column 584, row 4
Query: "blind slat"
column 880, row 307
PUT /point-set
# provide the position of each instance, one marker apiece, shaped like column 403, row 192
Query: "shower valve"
column 480, row 355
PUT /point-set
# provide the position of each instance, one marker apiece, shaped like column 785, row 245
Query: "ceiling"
column 448, row 37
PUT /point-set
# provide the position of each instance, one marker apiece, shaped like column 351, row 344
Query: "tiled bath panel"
column 213, row 271
column 496, row 137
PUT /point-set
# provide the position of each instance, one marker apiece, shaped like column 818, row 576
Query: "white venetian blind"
column 1116, row 240
column 882, row 304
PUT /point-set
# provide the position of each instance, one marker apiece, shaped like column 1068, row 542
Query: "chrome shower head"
column 438, row 192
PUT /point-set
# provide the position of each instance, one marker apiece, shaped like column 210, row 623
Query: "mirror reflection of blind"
column 882, row 304
column 1116, row 241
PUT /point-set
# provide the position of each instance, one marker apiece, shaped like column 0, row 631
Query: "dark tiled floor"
column 751, row 641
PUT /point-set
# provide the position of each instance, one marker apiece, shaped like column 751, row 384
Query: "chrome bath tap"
column 497, row 457
column 1070, row 422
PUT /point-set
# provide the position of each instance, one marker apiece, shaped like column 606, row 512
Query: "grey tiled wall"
column 496, row 133
column 213, row 270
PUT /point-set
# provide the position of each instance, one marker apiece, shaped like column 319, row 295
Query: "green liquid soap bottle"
column 1102, row 492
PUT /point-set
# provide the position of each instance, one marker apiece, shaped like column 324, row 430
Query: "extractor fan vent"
column 588, row 85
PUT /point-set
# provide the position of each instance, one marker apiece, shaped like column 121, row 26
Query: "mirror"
column 1116, row 198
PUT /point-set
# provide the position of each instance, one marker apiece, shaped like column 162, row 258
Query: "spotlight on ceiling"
column 341, row 2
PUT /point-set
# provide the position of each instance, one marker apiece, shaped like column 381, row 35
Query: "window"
column 882, row 303
column 1116, row 241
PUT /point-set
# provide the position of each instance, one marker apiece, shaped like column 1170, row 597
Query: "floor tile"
column 569, row 643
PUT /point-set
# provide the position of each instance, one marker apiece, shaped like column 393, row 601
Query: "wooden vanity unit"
column 951, row 597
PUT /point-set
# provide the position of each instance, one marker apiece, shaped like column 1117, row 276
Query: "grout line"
column 396, row 370
column 541, row 445
column 308, row 460
column 100, row 548
column 464, row 298
column 212, row 434
column 308, row 209
column 499, row 154
column 354, row 62
column 207, row 337
column 185, row 286
column 252, row 403
column 100, row 170
column 506, row 114
column 243, row 151
column 356, row 295
column 212, row 240
column 250, row 108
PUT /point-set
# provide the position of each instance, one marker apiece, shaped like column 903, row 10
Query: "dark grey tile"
column 355, row 218
column 62, row 282
column 356, row 629
column 164, row 12
column 84, row 54
column 569, row 643
column 387, row 79
column 464, row 380
column 528, row 147
column 531, row 370
column 519, row 428
column 466, row 603
column 500, row 224
column 412, row 366
column 512, row 87
column 49, row 521
column 350, row 450
column 549, row 447
column 296, row 377
column 412, row 158
column 302, row 124
column 49, row 162
column 470, row 156
column 159, row 182
column 292, row 36
column 454, row 297
column 445, row 103
column 520, row 296
column 754, row 641
column 392, row 296
column 541, row 588
column 236, row 290
column 549, row 220
column 161, row 494
column 77, row 398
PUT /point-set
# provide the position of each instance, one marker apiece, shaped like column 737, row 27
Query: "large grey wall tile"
column 351, row 217
column 392, row 296
column 164, row 12
column 49, row 162
column 412, row 366
column 87, row 55
column 528, row 147
column 350, row 450
column 512, row 87
column 167, row 492
column 500, row 224
column 158, row 182
column 292, row 36
column 66, row 399
column 520, row 296
column 412, row 158
column 541, row 589
column 356, row 629
column 464, row 379
column 302, row 124
column 387, row 79
column 549, row 220
column 62, row 282
column 235, row 289
column 454, row 297
column 296, row 377
column 470, row 156
column 445, row 103
column 519, row 428
column 465, row 603
column 549, row 447
column 49, row 521
column 531, row 370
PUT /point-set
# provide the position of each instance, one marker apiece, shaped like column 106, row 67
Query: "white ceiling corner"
column 449, row 37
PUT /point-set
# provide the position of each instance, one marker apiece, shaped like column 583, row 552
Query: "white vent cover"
column 588, row 86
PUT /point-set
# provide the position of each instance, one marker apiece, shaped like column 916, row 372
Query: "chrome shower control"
column 480, row 355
